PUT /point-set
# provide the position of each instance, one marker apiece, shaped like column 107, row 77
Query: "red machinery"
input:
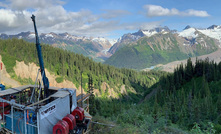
column 75, row 122
column 70, row 119
column 61, row 127
column 78, row 113
column 6, row 108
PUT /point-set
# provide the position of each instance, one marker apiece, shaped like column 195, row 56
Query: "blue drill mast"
column 41, row 62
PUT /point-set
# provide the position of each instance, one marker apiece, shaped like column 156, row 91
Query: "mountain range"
column 147, row 48
column 139, row 50
column 88, row 46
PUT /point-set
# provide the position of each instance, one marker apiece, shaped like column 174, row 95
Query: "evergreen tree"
column 92, row 103
column 189, row 70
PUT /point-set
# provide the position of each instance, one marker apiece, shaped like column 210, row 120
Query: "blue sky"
column 106, row 18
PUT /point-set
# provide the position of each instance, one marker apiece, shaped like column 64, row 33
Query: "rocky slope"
column 160, row 46
column 133, row 37
column 29, row 71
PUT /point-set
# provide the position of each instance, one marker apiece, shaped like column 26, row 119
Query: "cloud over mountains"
column 51, row 16
column 155, row 10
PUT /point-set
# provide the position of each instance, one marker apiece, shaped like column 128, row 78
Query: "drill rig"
column 42, row 109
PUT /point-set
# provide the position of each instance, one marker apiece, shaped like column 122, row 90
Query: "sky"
column 106, row 18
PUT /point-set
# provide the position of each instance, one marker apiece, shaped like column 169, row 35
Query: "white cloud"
column 192, row 12
column 155, row 10
column 10, row 20
column 26, row 4
column 52, row 17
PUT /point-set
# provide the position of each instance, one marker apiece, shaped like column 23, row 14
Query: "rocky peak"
column 187, row 27
column 212, row 27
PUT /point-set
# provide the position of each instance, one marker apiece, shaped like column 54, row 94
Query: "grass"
column 59, row 79
column 9, row 62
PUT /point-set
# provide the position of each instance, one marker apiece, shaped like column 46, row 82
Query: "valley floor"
column 169, row 67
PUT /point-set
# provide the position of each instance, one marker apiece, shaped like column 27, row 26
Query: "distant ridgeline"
column 69, row 65
column 160, row 48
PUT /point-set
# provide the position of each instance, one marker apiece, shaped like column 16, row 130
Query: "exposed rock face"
column 23, row 70
column 5, row 77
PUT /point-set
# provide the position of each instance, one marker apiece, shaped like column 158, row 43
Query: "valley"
column 144, row 67
column 147, row 48
column 169, row 67
column 120, row 93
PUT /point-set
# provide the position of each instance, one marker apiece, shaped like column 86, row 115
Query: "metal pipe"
column 81, row 91
column 38, row 122
column 39, row 94
column 12, row 119
column 0, row 73
column 25, row 121
column 31, row 100
column 22, row 107
column 31, row 125
column 3, row 112
column 84, row 98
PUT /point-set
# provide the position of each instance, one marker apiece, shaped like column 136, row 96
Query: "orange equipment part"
column 70, row 119
column 61, row 127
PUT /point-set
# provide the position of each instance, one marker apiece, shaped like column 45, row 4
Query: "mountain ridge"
column 162, row 47
column 88, row 46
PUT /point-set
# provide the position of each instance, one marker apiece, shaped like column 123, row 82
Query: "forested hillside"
column 68, row 65
column 192, row 94
column 186, row 101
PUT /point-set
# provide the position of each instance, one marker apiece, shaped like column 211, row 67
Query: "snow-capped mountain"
column 188, row 35
column 213, row 32
column 147, row 48
column 133, row 37
column 163, row 30
column 88, row 46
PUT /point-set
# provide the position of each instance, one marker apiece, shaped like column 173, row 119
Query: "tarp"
column 51, row 113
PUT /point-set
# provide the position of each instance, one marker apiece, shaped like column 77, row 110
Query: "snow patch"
column 112, row 41
column 99, row 39
column 213, row 33
column 188, row 33
column 49, row 35
column 149, row 33
column 165, row 32
column 31, row 35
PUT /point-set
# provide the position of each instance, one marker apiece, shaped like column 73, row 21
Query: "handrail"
column 87, row 95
